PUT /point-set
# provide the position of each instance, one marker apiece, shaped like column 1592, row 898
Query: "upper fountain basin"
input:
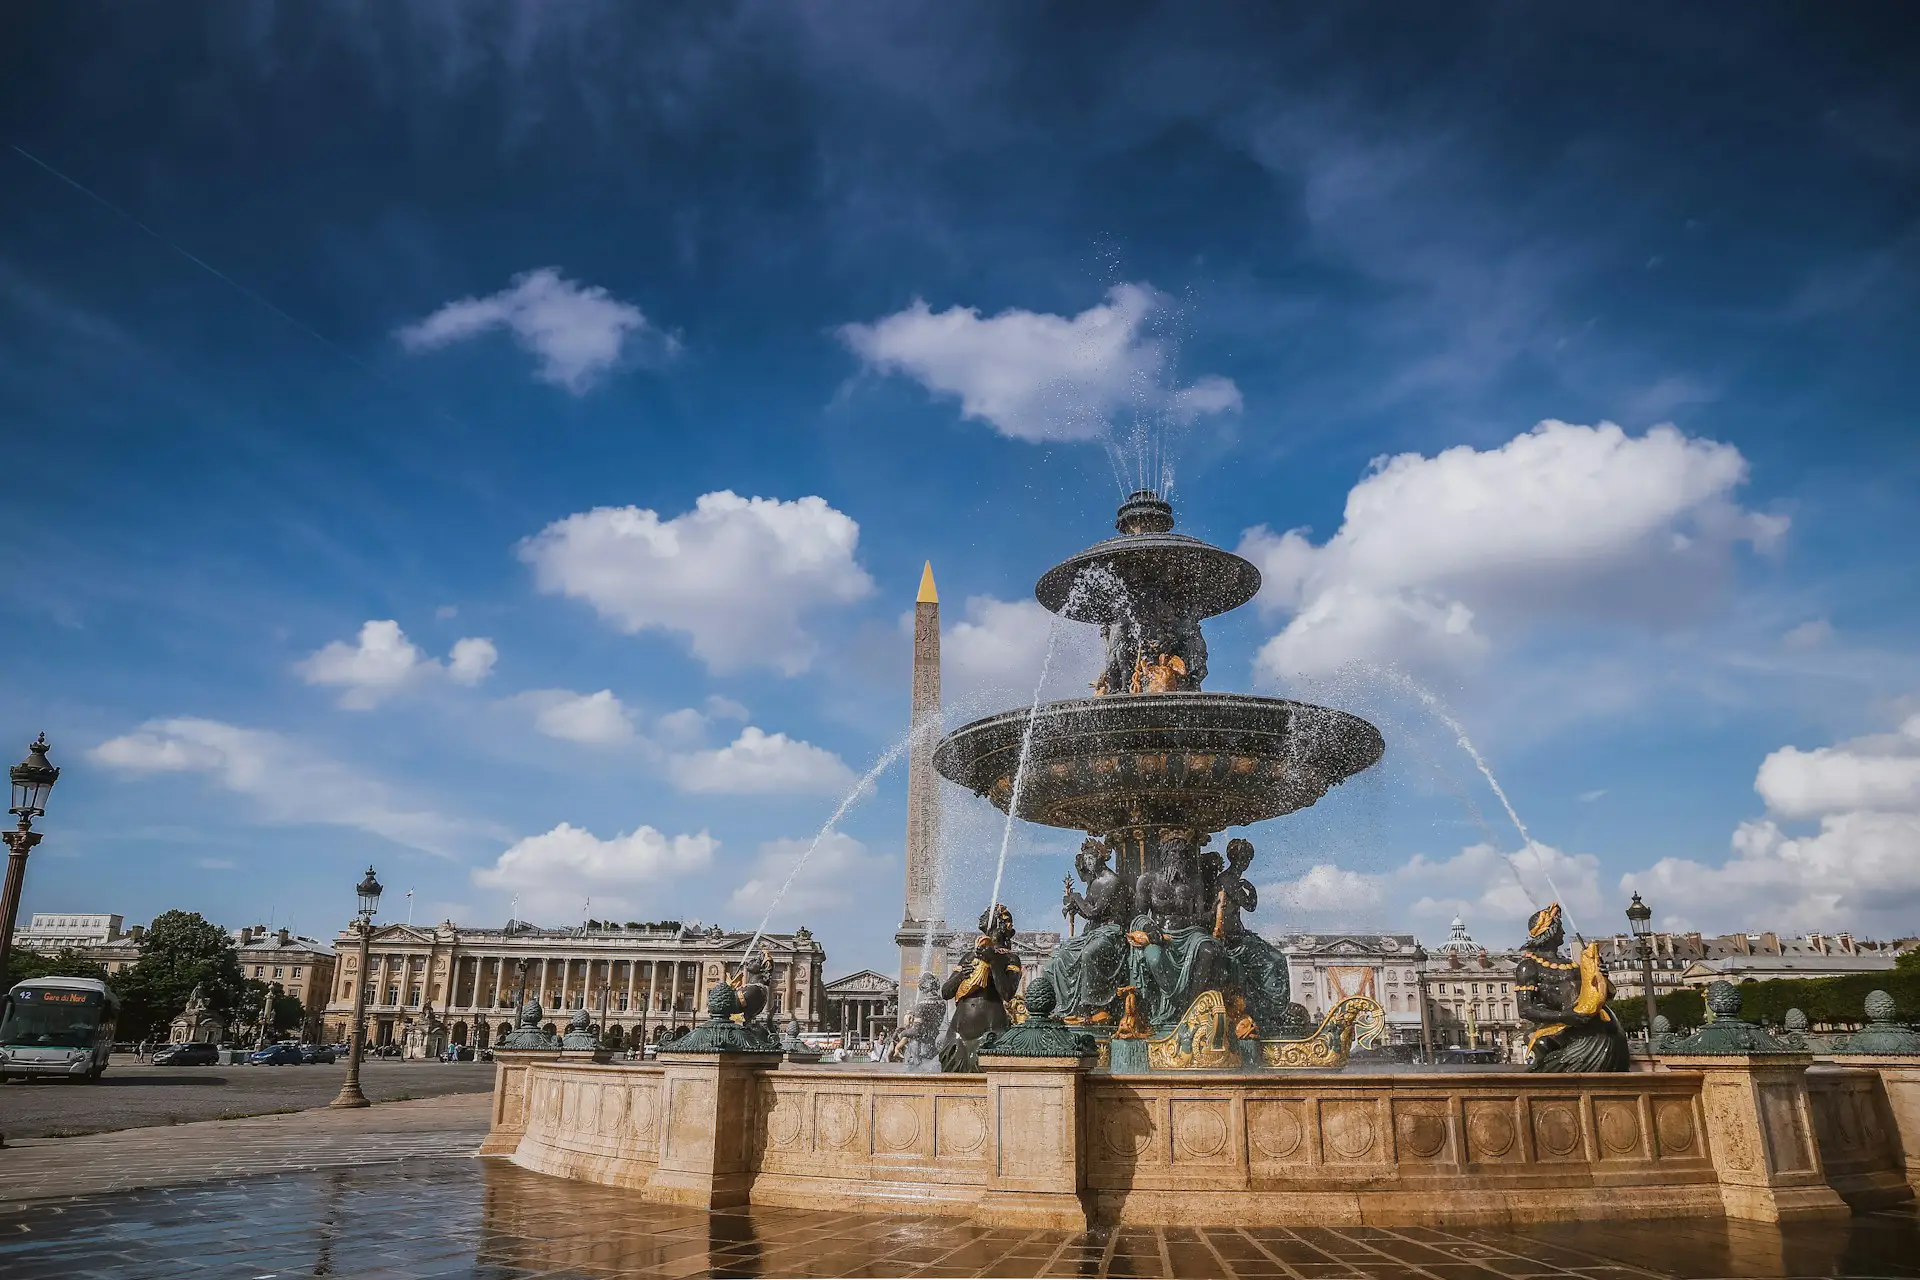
column 1203, row 761
column 1195, row 579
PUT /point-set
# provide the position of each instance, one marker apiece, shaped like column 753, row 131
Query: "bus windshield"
column 42, row 1018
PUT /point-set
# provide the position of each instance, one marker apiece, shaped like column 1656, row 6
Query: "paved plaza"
column 391, row 1191
column 132, row 1095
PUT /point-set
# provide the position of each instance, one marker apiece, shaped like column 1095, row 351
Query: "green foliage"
column 1829, row 1001
column 1684, row 1010
column 1907, row 961
column 23, row 966
column 181, row 950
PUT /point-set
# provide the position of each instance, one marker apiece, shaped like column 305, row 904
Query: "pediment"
column 863, row 983
column 402, row 933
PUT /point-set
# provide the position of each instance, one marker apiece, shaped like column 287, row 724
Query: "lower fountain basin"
column 1203, row 761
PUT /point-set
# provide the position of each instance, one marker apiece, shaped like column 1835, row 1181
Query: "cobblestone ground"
column 463, row 1217
column 130, row 1096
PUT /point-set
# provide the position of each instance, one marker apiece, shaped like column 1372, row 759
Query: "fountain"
column 1156, row 1071
column 1152, row 767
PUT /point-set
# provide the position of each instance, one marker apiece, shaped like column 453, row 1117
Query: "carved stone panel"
column 1350, row 1131
column 836, row 1121
column 1277, row 1130
column 1203, row 1131
column 898, row 1128
column 1788, row 1150
column 1126, row 1129
column 1420, row 1129
column 1493, row 1137
column 960, row 1126
column 1031, row 1124
column 690, row 1104
column 1617, row 1123
column 1556, row 1129
column 1728, row 1121
column 786, row 1121
column 1673, row 1126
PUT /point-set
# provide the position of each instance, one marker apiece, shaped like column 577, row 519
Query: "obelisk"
column 923, row 791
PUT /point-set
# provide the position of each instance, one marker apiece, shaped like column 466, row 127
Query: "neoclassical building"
column 1325, row 969
column 641, row 982
column 1470, row 995
column 865, row 1004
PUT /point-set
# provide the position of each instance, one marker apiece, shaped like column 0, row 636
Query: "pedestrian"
column 140, row 1054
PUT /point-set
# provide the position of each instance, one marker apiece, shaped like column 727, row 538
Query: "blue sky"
column 499, row 441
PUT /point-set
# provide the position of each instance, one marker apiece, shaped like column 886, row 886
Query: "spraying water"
column 860, row 789
column 1433, row 704
column 1020, row 768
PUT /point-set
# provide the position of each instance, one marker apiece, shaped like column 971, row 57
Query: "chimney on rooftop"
column 1846, row 943
column 284, row 936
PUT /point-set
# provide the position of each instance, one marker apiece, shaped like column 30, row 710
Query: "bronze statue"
column 918, row 1037
column 1086, row 972
column 754, row 982
column 1154, row 652
column 1568, row 999
column 980, row 989
column 1174, row 954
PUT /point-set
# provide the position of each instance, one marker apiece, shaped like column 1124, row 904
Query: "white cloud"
column 1812, row 634
column 736, row 575
column 836, row 875
column 576, row 332
column 383, row 662
column 288, row 783
column 1037, row 376
column 553, row 872
column 1325, row 888
column 1856, row 871
column 598, row 719
column 1436, row 558
column 1880, row 773
column 996, row 649
column 758, row 763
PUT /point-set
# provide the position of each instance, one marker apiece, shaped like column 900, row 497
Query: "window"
column 259, row 971
column 413, row 994
column 1503, row 988
column 277, row 972
column 296, row 971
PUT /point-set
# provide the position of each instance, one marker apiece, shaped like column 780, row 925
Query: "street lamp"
column 1640, row 920
column 33, row 778
column 369, row 894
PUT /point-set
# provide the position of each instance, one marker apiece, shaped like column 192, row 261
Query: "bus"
column 60, row 1027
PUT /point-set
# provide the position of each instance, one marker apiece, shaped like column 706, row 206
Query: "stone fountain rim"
column 1236, row 582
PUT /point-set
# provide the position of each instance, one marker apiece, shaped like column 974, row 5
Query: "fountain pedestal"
column 705, row 1124
column 1762, row 1135
column 1036, row 1168
column 512, row 1070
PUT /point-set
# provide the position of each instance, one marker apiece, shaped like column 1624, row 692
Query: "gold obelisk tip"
column 927, row 594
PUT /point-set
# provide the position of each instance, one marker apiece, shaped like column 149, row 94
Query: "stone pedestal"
column 1035, row 1164
column 704, row 1147
column 1761, row 1131
column 510, row 1095
column 1900, row 1077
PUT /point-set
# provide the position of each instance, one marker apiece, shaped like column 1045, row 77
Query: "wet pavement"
column 471, row 1218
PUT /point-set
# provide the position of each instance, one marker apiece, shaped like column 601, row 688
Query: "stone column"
column 510, row 1095
column 673, row 996
column 704, row 1148
column 633, row 974
column 1760, row 1129
column 1036, row 1166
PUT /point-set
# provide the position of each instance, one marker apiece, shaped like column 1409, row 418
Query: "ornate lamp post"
column 33, row 778
column 1640, row 919
column 369, row 892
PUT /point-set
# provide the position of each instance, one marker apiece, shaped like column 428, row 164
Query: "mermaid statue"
column 1259, row 969
column 1568, row 1001
column 980, row 989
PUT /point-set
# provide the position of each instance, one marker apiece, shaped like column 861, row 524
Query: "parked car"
column 276, row 1055
column 186, row 1055
column 311, row 1053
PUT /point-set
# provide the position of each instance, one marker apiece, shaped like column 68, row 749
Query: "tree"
column 181, row 950
column 23, row 966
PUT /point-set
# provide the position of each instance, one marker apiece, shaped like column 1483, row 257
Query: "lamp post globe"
column 368, row 894
column 33, row 779
column 1640, row 920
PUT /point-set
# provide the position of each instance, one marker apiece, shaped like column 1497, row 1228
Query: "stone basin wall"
column 1046, row 1142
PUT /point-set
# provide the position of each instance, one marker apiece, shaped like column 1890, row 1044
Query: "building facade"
column 1468, row 991
column 1324, row 969
column 304, row 967
column 865, row 1005
column 53, row 930
column 643, row 983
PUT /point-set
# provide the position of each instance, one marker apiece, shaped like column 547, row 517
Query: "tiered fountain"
column 1152, row 768
column 1025, row 1129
